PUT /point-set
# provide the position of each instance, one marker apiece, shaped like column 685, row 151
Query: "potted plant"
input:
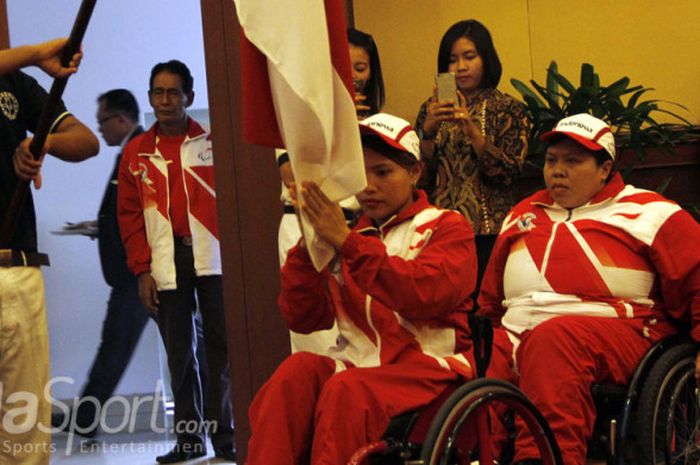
column 643, row 142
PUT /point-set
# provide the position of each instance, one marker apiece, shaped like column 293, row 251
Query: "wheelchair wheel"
column 668, row 411
column 470, row 404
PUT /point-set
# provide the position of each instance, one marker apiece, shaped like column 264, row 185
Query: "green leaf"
column 633, row 120
column 551, row 100
column 632, row 102
column 525, row 91
column 618, row 87
column 564, row 83
column 587, row 79
column 631, row 89
column 552, row 84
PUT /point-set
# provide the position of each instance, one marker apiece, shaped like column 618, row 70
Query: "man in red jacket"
column 168, row 222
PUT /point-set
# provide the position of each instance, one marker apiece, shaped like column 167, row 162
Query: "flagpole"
column 46, row 119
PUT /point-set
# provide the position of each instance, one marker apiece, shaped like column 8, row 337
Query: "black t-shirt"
column 21, row 101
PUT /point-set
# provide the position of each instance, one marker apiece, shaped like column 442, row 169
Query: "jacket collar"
column 148, row 142
column 609, row 191
column 420, row 203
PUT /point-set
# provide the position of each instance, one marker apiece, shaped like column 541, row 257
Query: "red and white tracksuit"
column 143, row 205
column 400, row 296
column 580, row 294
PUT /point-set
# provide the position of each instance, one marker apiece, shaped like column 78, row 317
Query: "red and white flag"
column 298, row 94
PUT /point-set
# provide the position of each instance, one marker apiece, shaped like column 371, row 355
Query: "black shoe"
column 183, row 452
column 59, row 420
column 225, row 453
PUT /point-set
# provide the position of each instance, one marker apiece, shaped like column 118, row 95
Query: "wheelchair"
column 654, row 420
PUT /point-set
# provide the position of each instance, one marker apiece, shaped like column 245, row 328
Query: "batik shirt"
column 479, row 187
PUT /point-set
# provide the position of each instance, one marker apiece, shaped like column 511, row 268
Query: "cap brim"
column 589, row 144
column 387, row 140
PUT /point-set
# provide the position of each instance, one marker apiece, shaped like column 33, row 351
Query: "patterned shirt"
column 479, row 187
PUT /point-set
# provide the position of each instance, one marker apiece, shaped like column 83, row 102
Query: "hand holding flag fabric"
column 305, row 76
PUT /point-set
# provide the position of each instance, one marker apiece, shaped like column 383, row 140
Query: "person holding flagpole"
column 399, row 291
column 24, row 339
column 475, row 143
column 369, row 99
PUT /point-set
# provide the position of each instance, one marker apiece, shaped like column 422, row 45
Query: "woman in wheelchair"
column 585, row 275
column 399, row 290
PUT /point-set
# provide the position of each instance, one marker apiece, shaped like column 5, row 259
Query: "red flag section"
column 298, row 95
column 259, row 120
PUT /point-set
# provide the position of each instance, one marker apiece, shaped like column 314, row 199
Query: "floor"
column 115, row 449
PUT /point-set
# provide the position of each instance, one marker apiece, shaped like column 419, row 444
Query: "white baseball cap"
column 587, row 130
column 396, row 132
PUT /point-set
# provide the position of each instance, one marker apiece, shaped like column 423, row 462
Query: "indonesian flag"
column 297, row 94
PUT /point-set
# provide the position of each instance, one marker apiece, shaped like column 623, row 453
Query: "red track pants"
column 307, row 413
column 558, row 361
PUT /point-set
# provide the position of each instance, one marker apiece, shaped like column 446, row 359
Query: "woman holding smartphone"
column 366, row 73
column 474, row 144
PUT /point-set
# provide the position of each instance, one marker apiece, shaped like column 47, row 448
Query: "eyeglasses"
column 102, row 121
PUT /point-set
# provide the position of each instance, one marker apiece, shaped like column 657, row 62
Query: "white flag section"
column 315, row 111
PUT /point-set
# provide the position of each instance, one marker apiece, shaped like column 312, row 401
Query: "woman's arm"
column 439, row 279
column 45, row 55
column 430, row 116
column 501, row 151
column 675, row 253
column 491, row 294
column 304, row 301
column 71, row 141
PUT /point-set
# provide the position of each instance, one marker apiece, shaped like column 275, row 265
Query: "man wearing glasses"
column 118, row 122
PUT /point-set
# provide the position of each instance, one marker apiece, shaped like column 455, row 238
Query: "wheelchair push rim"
column 472, row 401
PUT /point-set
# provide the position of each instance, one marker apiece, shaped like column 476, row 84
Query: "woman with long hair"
column 475, row 144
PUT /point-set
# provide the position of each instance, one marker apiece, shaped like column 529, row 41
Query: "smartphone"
column 359, row 86
column 446, row 86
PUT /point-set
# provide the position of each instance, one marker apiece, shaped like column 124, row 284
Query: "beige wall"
column 656, row 44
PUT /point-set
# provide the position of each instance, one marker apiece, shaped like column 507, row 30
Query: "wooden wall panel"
column 4, row 29
column 248, row 187
column 248, row 190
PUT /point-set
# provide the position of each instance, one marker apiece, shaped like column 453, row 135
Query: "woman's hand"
column 26, row 167
column 286, row 174
column 361, row 108
column 436, row 113
column 325, row 216
column 49, row 58
column 697, row 369
column 464, row 117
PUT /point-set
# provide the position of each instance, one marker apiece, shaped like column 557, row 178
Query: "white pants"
column 318, row 342
column 25, row 409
